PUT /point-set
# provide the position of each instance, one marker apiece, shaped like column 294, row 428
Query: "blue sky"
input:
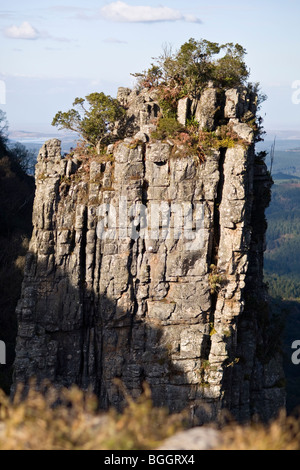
column 52, row 52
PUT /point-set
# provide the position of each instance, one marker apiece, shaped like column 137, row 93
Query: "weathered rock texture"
column 145, row 310
column 198, row 438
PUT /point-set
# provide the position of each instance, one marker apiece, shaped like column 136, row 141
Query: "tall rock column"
column 142, row 265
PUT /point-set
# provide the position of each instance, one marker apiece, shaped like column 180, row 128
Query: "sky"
column 52, row 52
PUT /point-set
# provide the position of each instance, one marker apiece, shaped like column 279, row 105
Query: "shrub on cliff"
column 96, row 124
column 189, row 69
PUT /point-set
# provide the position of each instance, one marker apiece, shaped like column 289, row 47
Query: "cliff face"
column 145, row 265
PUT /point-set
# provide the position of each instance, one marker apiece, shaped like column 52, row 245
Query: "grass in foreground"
column 282, row 434
column 69, row 420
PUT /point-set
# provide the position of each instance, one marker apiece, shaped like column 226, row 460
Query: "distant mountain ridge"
column 34, row 140
column 24, row 135
column 285, row 176
column 283, row 134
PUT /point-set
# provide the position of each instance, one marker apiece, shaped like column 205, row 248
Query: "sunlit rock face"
column 146, row 265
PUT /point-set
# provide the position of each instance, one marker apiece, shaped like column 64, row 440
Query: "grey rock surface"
column 129, row 294
column 199, row 438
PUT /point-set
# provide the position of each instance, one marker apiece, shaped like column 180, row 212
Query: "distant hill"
column 21, row 135
column 283, row 135
column 16, row 200
column 38, row 137
column 284, row 176
column 34, row 140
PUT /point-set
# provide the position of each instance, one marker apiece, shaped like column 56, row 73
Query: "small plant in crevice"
column 185, row 138
column 234, row 362
column 228, row 138
column 212, row 330
column 41, row 177
column 223, row 137
column 135, row 144
column 205, row 367
column 217, row 280
column 167, row 127
column 65, row 180
column 227, row 333
column 168, row 97
column 194, row 142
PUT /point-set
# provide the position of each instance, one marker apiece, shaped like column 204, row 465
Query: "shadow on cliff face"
column 290, row 312
column 93, row 310
column 70, row 335
column 16, row 200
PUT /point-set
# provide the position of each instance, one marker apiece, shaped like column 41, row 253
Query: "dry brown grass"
column 281, row 434
column 69, row 420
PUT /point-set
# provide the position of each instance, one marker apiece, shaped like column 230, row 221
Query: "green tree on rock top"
column 195, row 64
column 95, row 123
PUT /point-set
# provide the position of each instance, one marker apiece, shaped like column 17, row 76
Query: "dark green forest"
column 282, row 265
column 282, row 258
column 16, row 202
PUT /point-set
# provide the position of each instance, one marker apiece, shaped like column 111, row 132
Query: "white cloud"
column 24, row 31
column 27, row 31
column 122, row 12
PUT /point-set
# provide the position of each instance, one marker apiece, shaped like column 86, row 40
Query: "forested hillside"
column 16, row 200
column 282, row 267
column 282, row 258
